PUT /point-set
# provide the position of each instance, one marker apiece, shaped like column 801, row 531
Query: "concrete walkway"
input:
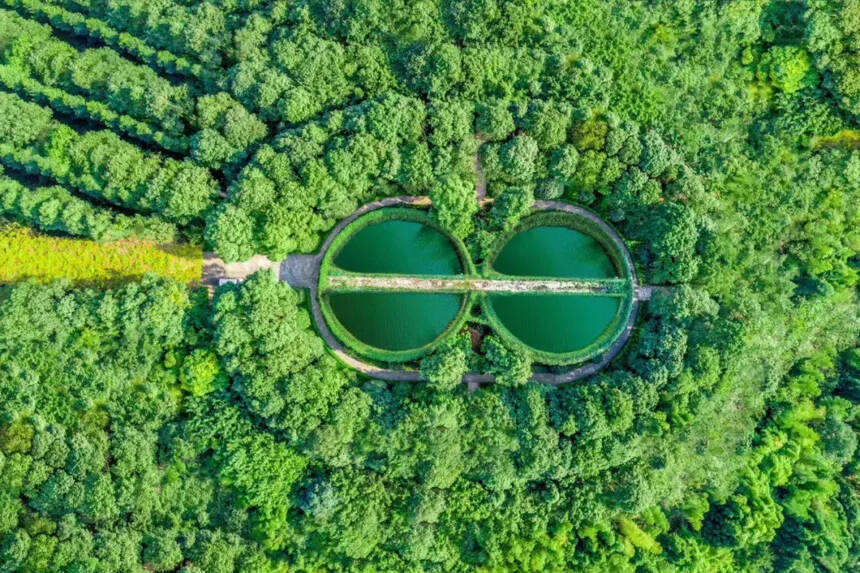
column 646, row 292
column 461, row 285
column 300, row 271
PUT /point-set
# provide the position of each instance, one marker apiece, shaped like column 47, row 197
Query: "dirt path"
column 215, row 269
column 480, row 179
column 455, row 284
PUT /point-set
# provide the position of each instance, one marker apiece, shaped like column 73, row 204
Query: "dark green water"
column 554, row 252
column 395, row 320
column 555, row 322
column 405, row 247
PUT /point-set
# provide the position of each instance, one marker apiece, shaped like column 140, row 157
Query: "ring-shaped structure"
column 329, row 269
column 616, row 252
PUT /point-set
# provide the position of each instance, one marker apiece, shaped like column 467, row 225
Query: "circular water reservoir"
column 396, row 321
column 558, row 327
column 399, row 247
column 554, row 251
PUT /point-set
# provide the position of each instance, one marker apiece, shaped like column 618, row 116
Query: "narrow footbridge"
column 347, row 282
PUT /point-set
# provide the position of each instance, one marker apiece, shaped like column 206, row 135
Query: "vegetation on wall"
column 327, row 268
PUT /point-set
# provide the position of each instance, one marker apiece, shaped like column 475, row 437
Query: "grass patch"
column 25, row 255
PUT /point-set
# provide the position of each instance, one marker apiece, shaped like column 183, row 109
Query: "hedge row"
column 199, row 33
column 82, row 108
column 56, row 209
column 100, row 164
column 100, row 84
column 76, row 23
column 99, row 74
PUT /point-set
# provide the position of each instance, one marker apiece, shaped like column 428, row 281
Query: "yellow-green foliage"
column 24, row 255
column 637, row 537
column 846, row 139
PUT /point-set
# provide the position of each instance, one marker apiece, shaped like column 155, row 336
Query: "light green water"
column 402, row 321
column 395, row 320
column 554, row 252
column 405, row 247
column 556, row 323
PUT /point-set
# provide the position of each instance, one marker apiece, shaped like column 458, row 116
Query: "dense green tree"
column 451, row 122
column 278, row 364
column 787, row 68
column 510, row 366
column 444, row 368
column 55, row 208
column 833, row 36
column 672, row 235
column 454, row 205
column 143, row 429
column 494, row 121
column 510, row 206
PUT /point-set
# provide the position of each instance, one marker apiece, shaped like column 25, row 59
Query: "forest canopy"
column 146, row 426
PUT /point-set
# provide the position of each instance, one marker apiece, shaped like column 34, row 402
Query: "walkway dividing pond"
column 467, row 284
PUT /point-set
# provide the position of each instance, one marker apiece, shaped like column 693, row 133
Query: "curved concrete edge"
column 302, row 271
column 544, row 205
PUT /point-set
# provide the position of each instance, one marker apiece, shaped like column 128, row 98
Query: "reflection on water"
column 554, row 252
column 555, row 322
column 395, row 320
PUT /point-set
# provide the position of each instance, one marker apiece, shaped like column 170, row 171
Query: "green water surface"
column 395, row 320
column 554, row 251
column 557, row 323
column 403, row 247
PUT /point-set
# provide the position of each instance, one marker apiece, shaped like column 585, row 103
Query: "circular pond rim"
column 349, row 340
column 619, row 256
